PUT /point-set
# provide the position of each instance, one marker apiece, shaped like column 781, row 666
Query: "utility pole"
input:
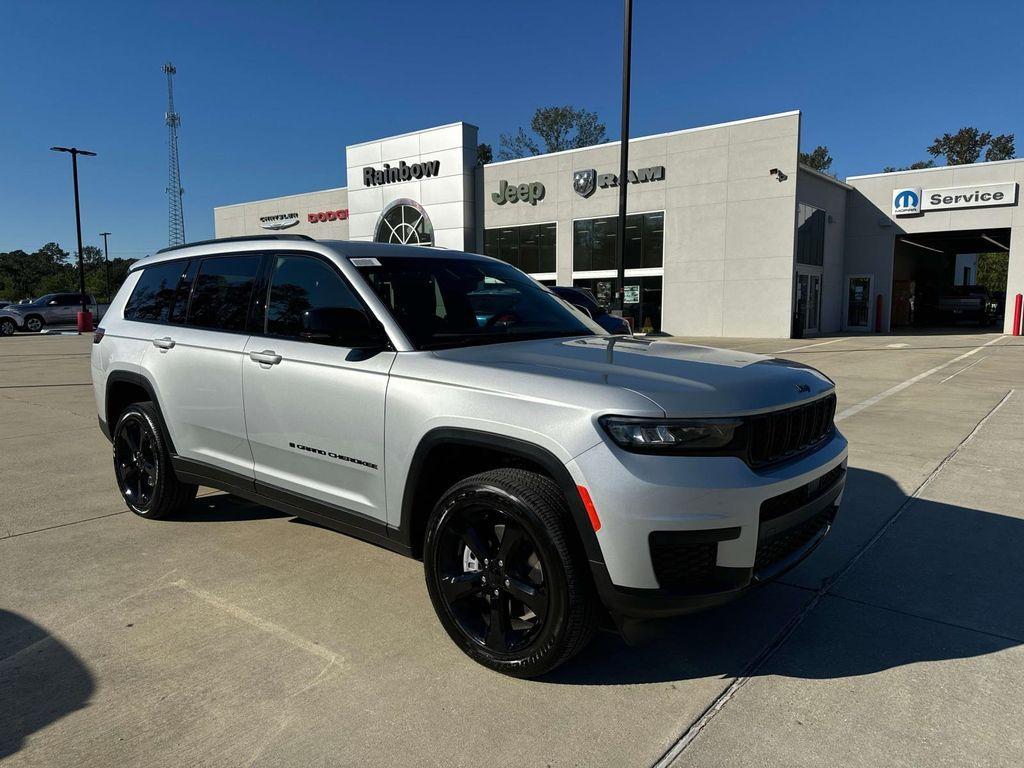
column 175, row 213
column 620, row 224
column 106, row 263
column 75, row 152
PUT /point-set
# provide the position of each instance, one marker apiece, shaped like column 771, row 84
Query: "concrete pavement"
column 239, row 636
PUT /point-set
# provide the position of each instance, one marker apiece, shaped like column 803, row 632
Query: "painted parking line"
column 962, row 370
column 808, row 346
column 855, row 409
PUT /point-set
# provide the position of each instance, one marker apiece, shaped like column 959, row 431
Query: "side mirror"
column 340, row 326
column 584, row 310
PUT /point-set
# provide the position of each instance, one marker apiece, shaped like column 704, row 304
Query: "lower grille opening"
column 685, row 561
column 777, row 548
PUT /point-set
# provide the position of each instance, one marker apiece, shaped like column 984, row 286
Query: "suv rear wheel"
column 505, row 579
column 142, row 465
column 34, row 323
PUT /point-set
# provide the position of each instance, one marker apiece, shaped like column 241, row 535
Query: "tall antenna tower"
column 175, row 215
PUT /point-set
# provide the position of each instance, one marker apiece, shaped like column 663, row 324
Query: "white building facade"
column 727, row 235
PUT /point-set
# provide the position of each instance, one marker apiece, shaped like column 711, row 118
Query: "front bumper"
column 680, row 534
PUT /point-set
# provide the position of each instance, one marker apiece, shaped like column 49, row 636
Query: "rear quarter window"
column 153, row 295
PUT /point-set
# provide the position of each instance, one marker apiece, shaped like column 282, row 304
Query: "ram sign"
column 908, row 201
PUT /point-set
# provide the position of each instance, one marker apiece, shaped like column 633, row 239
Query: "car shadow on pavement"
column 944, row 582
column 225, row 508
column 41, row 681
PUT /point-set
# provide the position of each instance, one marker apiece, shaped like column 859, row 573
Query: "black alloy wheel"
column 142, row 465
column 505, row 574
column 136, row 462
column 492, row 577
column 7, row 327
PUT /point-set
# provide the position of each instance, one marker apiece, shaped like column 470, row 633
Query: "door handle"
column 165, row 343
column 266, row 357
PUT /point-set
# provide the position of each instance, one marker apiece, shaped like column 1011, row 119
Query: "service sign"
column 908, row 201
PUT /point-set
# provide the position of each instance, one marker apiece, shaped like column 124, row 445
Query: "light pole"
column 75, row 152
column 620, row 223
column 106, row 262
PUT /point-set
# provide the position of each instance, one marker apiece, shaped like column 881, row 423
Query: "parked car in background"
column 51, row 309
column 584, row 300
column 4, row 303
column 964, row 302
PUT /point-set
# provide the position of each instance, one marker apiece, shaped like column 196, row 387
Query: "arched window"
column 406, row 223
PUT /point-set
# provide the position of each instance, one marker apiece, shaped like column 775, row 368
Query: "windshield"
column 453, row 302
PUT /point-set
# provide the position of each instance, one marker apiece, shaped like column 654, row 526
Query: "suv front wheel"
column 142, row 465
column 503, row 572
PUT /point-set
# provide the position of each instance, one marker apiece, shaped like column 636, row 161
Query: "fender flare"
column 139, row 380
column 514, row 446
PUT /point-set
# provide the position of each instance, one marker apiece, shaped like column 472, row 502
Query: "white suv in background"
column 446, row 406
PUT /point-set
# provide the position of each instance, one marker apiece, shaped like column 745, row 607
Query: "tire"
column 34, row 323
column 7, row 327
column 142, row 466
column 532, row 609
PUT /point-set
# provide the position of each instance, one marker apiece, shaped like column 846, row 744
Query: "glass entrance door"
column 858, row 302
column 808, row 301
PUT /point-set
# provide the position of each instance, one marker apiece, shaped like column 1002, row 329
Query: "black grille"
column 784, row 434
column 777, row 506
column 682, row 566
column 778, row 547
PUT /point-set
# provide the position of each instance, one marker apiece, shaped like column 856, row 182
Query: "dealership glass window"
column 593, row 243
column 153, row 295
column 405, row 222
column 642, row 299
column 530, row 248
column 810, row 235
column 223, row 289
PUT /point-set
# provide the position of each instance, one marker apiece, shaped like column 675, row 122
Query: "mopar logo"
column 906, row 201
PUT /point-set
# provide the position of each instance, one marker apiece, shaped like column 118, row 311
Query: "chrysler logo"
column 279, row 221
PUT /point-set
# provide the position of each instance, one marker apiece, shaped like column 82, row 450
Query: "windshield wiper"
column 448, row 340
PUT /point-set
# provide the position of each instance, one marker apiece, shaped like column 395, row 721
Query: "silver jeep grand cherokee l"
column 446, row 406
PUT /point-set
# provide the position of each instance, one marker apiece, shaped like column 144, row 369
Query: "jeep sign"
column 912, row 200
column 510, row 193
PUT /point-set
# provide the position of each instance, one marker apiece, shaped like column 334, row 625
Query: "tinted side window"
column 188, row 276
column 223, row 289
column 151, row 299
column 299, row 284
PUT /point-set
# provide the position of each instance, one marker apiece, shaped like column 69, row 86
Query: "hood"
column 684, row 380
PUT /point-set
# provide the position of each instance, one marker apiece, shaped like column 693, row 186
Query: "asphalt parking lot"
column 239, row 636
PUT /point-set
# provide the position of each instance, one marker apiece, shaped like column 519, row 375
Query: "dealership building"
column 727, row 234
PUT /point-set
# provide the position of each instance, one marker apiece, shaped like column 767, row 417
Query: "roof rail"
column 239, row 239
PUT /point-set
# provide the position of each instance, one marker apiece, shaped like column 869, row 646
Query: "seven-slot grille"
column 782, row 434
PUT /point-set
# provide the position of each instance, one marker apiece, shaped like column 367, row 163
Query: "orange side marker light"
column 588, row 504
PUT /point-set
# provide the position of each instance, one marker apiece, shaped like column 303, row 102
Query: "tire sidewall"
column 38, row 321
column 485, row 494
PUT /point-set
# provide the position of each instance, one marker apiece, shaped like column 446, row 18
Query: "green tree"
column 484, row 154
column 966, row 145
column 912, row 167
column 1000, row 148
column 819, row 159
column 559, row 128
column 992, row 269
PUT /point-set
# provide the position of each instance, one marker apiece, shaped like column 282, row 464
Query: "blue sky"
column 271, row 92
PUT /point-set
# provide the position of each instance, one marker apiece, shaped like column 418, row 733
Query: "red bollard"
column 1015, row 329
column 878, row 313
column 85, row 322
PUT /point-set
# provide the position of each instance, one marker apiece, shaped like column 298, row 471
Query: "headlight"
column 673, row 435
